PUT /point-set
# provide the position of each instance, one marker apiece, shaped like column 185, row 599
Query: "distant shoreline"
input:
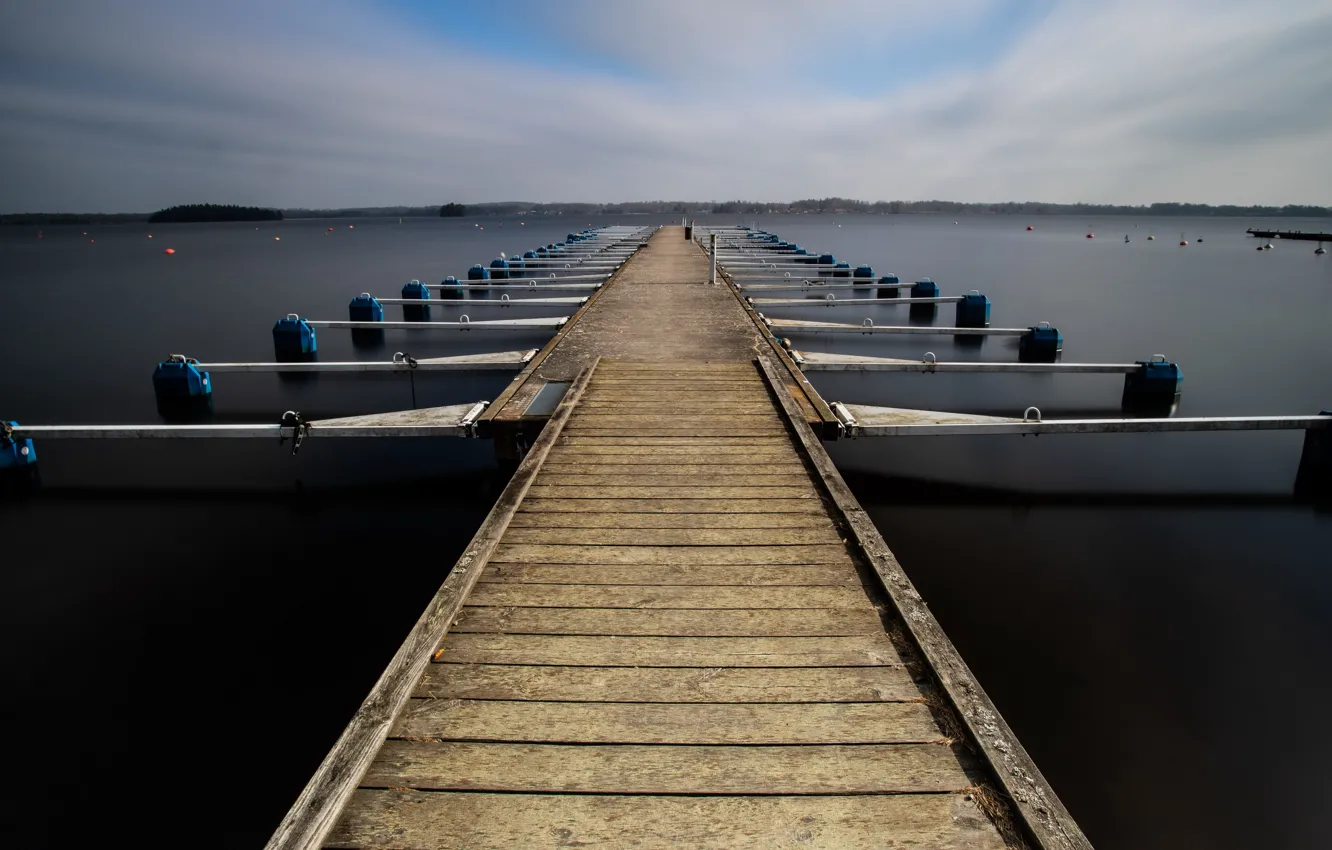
column 830, row 206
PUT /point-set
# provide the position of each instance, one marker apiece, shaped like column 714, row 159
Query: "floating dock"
column 676, row 628
column 1290, row 234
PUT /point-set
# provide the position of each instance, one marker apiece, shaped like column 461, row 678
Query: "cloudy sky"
column 138, row 104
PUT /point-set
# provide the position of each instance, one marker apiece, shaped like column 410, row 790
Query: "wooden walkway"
column 676, row 629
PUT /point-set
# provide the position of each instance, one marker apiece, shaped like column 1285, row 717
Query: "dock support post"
column 1314, row 479
column 712, row 249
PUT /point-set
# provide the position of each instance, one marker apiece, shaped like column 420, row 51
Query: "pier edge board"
column 319, row 807
column 1041, row 815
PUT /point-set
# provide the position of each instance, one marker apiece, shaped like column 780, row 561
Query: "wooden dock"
column 676, row 628
column 1290, row 234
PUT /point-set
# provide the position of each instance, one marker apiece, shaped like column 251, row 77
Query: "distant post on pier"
column 712, row 250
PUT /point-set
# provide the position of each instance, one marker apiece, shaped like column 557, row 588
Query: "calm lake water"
column 188, row 625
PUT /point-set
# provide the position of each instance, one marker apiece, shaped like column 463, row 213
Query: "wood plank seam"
column 316, row 811
column 1033, row 804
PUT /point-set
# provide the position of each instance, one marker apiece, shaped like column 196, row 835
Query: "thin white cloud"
column 329, row 105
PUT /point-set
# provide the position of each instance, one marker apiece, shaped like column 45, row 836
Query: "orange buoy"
column 169, row 251
column 277, row 238
column 1029, row 227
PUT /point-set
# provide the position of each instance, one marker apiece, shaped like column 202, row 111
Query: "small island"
column 452, row 211
column 192, row 213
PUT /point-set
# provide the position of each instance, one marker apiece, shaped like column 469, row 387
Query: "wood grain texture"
column 605, row 596
column 673, row 467
column 681, row 444
column 546, row 768
column 551, row 519
column 675, row 536
column 525, row 553
column 678, row 428
column 764, row 622
column 678, row 407
column 668, row 684
column 861, row 650
column 416, row 820
column 791, row 575
column 748, row 493
column 1035, row 806
column 747, row 480
column 320, row 804
column 667, row 723
column 645, row 459
column 806, row 505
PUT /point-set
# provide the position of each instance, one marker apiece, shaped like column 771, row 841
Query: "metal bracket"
column 468, row 422
column 844, row 418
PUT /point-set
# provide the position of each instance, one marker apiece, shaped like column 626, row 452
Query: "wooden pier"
column 676, row 628
column 1290, row 234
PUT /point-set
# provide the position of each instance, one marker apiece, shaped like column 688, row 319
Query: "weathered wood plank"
column 521, row 595
column 318, row 807
column 668, row 684
column 555, row 478
column 869, row 769
column 687, row 382
column 679, row 407
column 720, row 397
column 691, row 367
column 679, row 430
column 803, row 575
column 653, row 464
column 527, row 721
column 548, row 519
column 755, row 494
column 763, row 622
column 666, row 417
column 750, row 470
column 861, row 650
column 747, row 444
column 557, row 504
column 524, row 553
column 414, row 820
column 675, row 536
column 1033, row 802
column 648, row 456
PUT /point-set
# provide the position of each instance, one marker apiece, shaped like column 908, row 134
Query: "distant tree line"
column 848, row 205
column 214, row 212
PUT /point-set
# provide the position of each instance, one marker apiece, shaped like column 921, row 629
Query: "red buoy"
column 169, row 251
column 150, row 236
column 1029, row 227
column 1182, row 243
column 1091, row 235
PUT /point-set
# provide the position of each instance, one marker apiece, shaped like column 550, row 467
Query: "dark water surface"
column 188, row 625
